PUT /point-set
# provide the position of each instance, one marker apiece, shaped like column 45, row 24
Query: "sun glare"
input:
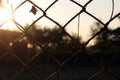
column 5, row 16
column 21, row 15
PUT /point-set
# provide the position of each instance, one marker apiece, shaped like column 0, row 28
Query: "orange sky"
column 61, row 12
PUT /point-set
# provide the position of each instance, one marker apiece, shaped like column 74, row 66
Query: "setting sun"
column 21, row 15
column 5, row 15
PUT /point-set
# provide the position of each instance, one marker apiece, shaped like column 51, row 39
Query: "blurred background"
column 59, row 40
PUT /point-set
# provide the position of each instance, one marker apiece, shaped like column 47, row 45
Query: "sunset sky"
column 61, row 11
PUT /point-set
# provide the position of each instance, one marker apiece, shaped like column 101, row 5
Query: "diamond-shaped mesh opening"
column 60, row 10
column 97, row 8
column 31, row 14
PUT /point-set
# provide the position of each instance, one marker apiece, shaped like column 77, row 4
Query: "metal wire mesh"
column 24, row 69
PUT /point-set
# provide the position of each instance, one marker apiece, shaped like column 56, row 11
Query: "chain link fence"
column 24, row 57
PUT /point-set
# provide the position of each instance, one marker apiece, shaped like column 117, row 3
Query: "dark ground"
column 43, row 71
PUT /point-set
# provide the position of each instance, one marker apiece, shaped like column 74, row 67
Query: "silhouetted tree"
column 56, row 39
column 106, row 41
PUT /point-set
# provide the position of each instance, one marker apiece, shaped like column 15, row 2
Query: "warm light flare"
column 21, row 15
column 5, row 15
